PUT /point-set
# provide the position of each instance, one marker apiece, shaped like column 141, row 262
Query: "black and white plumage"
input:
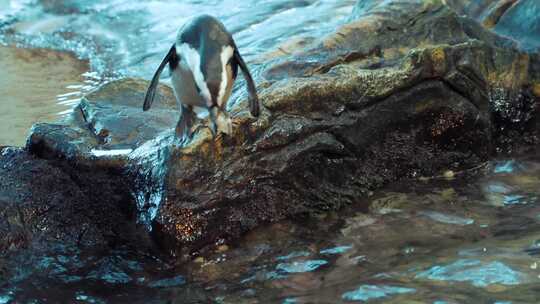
column 204, row 62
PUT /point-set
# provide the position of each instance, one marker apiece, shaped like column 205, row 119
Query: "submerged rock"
column 406, row 89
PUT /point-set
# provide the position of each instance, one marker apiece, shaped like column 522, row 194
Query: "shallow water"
column 129, row 38
column 472, row 239
column 30, row 86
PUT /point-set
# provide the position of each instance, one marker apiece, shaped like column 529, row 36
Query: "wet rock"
column 114, row 114
column 45, row 203
column 406, row 89
column 107, row 119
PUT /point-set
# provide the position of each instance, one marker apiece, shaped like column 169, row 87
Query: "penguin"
column 203, row 62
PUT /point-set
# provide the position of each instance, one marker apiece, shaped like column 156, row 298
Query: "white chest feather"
column 193, row 60
column 226, row 81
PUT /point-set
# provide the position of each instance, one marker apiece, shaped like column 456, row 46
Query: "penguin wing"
column 252, row 90
column 151, row 92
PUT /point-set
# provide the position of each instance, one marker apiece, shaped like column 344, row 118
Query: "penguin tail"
column 151, row 92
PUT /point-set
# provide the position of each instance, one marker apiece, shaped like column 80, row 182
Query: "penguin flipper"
column 252, row 90
column 151, row 92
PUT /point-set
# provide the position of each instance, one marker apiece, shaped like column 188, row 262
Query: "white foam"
column 77, row 93
column 117, row 152
column 69, row 101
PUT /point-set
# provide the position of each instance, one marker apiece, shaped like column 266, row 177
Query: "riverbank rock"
column 405, row 89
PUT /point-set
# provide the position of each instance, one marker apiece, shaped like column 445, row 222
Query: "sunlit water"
column 472, row 239
column 30, row 86
column 129, row 38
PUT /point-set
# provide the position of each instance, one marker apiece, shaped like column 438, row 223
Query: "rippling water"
column 474, row 239
column 131, row 37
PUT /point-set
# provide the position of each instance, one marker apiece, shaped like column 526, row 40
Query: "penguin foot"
column 220, row 122
column 224, row 124
column 217, row 134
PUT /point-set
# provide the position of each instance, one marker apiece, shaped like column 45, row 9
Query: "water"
column 129, row 38
column 446, row 240
column 32, row 81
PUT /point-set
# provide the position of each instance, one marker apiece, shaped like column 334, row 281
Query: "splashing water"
column 149, row 167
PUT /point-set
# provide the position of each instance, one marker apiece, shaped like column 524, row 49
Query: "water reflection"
column 447, row 218
column 474, row 271
column 5, row 299
column 294, row 254
column 506, row 166
column 368, row 292
column 167, row 283
column 298, row 267
column 88, row 299
column 336, row 250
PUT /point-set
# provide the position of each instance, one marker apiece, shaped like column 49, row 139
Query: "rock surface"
column 405, row 89
column 44, row 204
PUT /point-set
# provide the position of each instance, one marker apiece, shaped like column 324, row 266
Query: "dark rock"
column 45, row 203
column 336, row 124
column 114, row 114
column 406, row 89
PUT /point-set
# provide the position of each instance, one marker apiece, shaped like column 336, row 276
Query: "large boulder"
column 405, row 89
